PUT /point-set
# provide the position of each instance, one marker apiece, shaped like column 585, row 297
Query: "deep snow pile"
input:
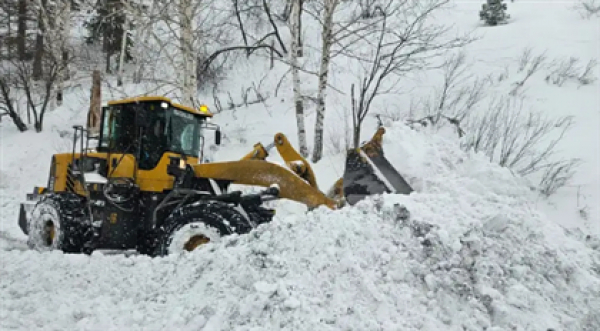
column 470, row 254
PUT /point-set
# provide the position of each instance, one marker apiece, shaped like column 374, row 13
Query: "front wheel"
column 192, row 226
column 57, row 222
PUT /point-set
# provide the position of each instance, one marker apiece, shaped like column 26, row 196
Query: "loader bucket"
column 368, row 172
column 25, row 210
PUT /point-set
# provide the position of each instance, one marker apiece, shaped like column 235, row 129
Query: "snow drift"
column 465, row 252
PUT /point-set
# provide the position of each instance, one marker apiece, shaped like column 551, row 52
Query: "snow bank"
column 465, row 252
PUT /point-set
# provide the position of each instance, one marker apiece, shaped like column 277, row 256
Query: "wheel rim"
column 44, row 227
column 191, row 237
column 49, row 233
column 195, row 242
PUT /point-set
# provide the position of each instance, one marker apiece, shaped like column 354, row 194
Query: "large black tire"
column 58, row 221
column 203, row 221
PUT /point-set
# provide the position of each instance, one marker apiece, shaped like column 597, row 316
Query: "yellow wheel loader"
column 144, row 184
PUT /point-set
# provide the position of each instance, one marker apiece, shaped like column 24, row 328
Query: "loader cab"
column 149, row 127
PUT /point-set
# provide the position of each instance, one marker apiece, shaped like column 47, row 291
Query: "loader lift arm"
column 298, row 183
column 265, row 174
column 292, row 158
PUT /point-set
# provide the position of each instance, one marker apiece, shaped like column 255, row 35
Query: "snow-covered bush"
column 523, row 140
column 564, row 70
column 588, row 8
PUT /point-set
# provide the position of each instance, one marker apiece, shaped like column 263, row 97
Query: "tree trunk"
column 60, row 51
column 287, row 10
column 95, row 110
column 66, row 36
column 355, row 119
column 326, row 35
column 188, row 73
column 356, row 135
column 139, row 33
column 299, row 35
column 298, row 102
column 122, row 53
column 297, row 17
column 38, row 57
column 107, row 47
column 39, row 119
column 9, row 41
column 18, row 121
column 21, row 31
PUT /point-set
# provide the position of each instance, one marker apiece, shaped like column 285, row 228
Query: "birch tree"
column 295, row 68
column 329, row 7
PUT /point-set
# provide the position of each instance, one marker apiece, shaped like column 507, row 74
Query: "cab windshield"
column 168, row 129
column 183, row 131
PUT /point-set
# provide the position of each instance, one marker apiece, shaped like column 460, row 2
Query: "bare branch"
column 408, row 43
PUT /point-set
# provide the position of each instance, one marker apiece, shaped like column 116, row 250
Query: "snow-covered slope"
column 472, row 249
column 472, row 255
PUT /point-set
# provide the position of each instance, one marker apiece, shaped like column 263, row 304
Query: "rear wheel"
column 192, row 226
column 57, row 222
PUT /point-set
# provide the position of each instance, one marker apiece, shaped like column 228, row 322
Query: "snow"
column 92, row 177
column 473, row 248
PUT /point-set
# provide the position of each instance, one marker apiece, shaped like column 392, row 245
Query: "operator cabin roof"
column 202, row 110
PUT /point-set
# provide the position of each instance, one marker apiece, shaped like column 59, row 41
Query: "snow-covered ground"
column 479, row 251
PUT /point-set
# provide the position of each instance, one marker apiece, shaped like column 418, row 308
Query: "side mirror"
column 218, row 137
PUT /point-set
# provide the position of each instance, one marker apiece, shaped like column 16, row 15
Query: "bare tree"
column 16, row 79
column 252, row 11
column 188, row 45
column 403, row 45
column 456, row 98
